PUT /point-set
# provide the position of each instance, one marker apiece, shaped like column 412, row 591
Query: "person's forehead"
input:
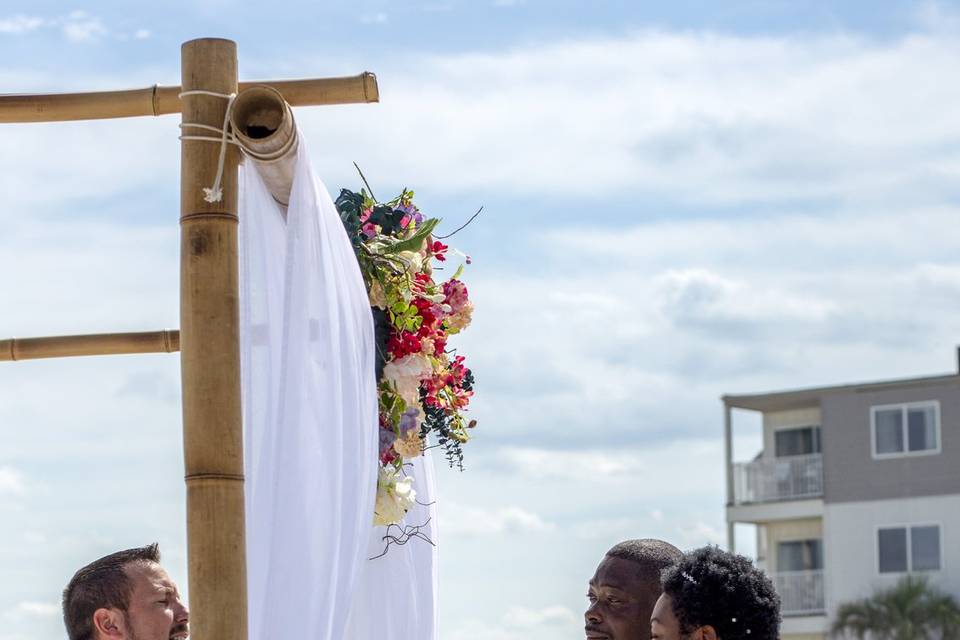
column 620, row 573
column 149, row 575
column 663, row 609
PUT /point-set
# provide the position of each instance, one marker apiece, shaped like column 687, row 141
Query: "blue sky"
column 680, row 201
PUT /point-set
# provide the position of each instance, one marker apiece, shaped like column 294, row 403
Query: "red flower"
column 438, row 249
column 403, row 343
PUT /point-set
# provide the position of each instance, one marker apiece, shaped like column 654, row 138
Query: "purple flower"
column 408, row 421
column 387, row 436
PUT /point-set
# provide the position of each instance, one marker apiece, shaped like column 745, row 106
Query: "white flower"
column 412, row 259
column 395, row 496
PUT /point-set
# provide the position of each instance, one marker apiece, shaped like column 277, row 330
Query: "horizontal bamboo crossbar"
column 102, row 344
column 157, row 100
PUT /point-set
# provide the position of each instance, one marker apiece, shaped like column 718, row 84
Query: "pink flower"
column 369, row 229
column 455, row 294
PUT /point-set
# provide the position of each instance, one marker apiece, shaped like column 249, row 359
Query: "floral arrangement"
column 423, row 386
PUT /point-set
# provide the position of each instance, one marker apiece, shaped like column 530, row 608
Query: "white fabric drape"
column 311, row 439
column 398, row 593
column 310, row 410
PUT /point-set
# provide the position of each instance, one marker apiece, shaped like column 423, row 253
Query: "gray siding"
column 849, row 470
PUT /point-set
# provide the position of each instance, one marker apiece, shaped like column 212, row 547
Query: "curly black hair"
column 725, row 591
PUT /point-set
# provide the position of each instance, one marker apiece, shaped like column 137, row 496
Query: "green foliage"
column 912, row 609
column 414, row 242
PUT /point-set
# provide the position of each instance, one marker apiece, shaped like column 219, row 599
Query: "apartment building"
column 856, row 485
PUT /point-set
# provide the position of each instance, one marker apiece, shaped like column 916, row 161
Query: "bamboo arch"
column 208, row 339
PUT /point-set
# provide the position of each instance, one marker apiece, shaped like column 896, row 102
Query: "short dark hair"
column 651, row 555
column 726, row 591
column 101, row 584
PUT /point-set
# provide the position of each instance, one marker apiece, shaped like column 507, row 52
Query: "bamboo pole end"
column 197, row 41
column 371, row 91
column 8, row 349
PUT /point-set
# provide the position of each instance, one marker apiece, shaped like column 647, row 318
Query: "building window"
column 800, row 555
column 905, row 429
column 798, row 441
column 903, row 549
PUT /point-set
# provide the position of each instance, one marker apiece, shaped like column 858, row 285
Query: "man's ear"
column 109, row 623
column 706, row 632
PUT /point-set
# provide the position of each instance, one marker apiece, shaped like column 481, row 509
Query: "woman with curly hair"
column 715, row 595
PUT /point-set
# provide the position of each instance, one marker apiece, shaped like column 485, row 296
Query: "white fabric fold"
column 398, row 594
column 309, row 409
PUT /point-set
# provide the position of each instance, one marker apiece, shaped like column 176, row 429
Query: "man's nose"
column 181, row 613
column 592, row 614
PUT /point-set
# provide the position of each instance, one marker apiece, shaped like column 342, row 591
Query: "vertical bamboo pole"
column 210, row 356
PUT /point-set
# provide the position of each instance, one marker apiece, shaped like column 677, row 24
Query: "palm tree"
column 910, row 610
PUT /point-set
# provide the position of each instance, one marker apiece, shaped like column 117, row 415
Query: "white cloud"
column 519, row 622
column 696, row 118
column 82, row 29
column 77, row 26
column 43, row 609
column 648, row 466
column 11, row 482
column 698, row 535
column 141, row 34
column 580, row 465
column 20, row 24
column 458, row 519
column 525, row 618
column 937, row 18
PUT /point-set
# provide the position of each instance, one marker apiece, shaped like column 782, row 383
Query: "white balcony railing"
column 801, row 592
column 773, row 479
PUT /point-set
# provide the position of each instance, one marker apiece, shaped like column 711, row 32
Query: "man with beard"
column 125, row 596
column 624, row 589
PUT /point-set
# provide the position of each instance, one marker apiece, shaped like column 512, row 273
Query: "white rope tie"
column 215, row 192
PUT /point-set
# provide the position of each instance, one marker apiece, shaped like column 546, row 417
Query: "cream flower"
column 409, row 445
column 427, row 346
column 405, row 375
column 461, row 319
column 378, row 298
column 395, row 496
column 412, row 260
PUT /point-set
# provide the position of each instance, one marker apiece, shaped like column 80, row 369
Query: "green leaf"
column 414, row 242
column 459, row 273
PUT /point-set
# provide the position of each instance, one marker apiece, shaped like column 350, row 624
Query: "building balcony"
column 778, row 479
column 801, row 592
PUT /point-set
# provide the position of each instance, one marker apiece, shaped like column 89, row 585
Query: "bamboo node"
column 200, row 477
column 154, row 99
column 209, row 214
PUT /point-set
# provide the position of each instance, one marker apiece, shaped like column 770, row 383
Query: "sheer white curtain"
column 311, row 440
column 398, row 593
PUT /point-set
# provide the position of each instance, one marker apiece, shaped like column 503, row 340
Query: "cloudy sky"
column 679, row 202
